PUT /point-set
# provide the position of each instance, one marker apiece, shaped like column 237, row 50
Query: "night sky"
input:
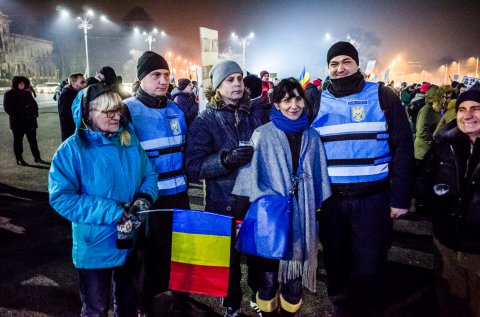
column 291, row 34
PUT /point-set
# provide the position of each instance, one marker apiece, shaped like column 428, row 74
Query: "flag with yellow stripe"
column 201, row 243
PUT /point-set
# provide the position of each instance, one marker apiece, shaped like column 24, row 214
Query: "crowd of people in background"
column 357, row 154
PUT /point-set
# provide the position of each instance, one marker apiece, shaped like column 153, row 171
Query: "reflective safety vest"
column 162, row 135
column 354, row 133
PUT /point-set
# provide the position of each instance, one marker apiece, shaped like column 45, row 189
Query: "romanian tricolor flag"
column 201, row 243
column 304, row 78
column 372, row 76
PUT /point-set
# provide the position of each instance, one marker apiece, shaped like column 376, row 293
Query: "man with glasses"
column 161, row 127
column 76, row 82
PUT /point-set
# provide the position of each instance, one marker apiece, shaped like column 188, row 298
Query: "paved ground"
column 37, row 277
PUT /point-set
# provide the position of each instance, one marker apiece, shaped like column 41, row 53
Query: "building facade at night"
column 24, row 55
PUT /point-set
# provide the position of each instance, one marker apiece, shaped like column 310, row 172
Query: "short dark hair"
column 73, row 77
column 287, row 86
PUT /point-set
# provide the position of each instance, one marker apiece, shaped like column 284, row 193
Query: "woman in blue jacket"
column 99, row 179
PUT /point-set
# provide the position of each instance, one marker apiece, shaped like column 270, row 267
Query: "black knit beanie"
column 183, row 83
column 473, row 95
column 148, row 62
column 92, row 92
column 342, row 48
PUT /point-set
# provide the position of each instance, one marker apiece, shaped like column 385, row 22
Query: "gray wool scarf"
column 270, row 173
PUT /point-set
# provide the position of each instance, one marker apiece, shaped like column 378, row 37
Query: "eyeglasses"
column 111, row 113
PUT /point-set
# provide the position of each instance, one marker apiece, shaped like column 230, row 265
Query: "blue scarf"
column 287, row 125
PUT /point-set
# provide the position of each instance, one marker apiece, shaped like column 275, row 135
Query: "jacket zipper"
column 458, row 216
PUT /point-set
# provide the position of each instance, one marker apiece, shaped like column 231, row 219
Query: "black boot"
column 284, row 313
column 21, row 162
column 270, row 314
column 39, row 160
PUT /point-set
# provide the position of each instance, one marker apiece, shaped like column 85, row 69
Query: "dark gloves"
column 130, row 221
column 237, row 157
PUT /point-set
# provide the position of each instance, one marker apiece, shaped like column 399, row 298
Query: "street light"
column 149, row 37
column 85, row 25
column 243, row 42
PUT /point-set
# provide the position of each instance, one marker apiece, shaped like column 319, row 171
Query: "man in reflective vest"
column 161, row 127
column 369, row 151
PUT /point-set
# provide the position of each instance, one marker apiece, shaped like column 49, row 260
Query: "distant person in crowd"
column 313, row 96
column 266, row 85
column 406, row 94
column 459, row 89
column 59, row 89
column 22, row 110
column 76, row 82
column 254, row 85
column 182, row 95
column 107, row 76
column 450, row 182
column 448, row 101
column 30, row 88
column 318, row 83
column 281, row 148
column 218, row 143
column 121, row 89
column 99, row 179
column 161, row 128
column 370, row 162
column 415, row 105
column 427, row 121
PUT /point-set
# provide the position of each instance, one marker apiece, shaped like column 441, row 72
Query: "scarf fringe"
column 289, row 270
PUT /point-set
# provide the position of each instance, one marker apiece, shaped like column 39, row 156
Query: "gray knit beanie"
column 222, row 70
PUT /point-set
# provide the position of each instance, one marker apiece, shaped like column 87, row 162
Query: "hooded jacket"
column 427, row 121
column 21, row 107
column 90, row 179
column 456, row 217
column 217, row 130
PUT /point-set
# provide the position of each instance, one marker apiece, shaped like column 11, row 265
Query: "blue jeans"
column 356, row 233
column 96, row 286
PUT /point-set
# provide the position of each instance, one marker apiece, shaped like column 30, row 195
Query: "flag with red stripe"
column 201, row 243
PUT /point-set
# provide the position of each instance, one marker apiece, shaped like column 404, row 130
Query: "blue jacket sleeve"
column 64, row 186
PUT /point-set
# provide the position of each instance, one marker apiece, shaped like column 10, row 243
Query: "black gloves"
column 237, row 157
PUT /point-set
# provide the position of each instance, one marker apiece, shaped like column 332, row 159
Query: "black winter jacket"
column 214, row 132
column 456, row 215
column 65, row 101
column 21, row 108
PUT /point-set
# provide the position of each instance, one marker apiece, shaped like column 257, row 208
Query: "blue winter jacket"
column 91, row 176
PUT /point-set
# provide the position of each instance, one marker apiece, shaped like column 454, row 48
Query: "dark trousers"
column 96, row 287
column 18, row 134
column 154, row 250
column 234, row 294
column 263, row 274
column 356, row 233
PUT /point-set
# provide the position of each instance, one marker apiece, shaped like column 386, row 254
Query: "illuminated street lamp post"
column 85, row 26
column 149, row 38
column 243, row 42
